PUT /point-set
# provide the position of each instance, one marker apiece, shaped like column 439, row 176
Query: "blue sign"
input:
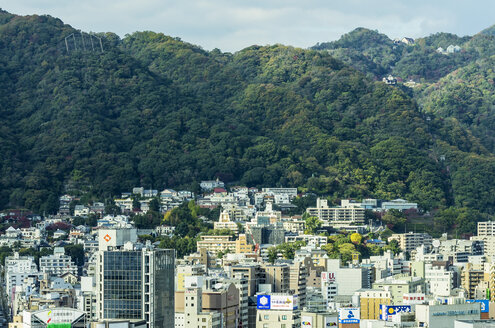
column 349, row 315
column 263, row 302
column 386, row 311
column 485, row 305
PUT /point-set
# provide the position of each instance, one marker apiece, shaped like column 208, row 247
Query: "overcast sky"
column 235, row 24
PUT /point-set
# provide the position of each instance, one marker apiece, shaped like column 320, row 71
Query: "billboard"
column 263, row 302
column 388, row 311
column 306, row 322
column 485, row 304
column 328, row 277
column 349, row 315
column 277, row 302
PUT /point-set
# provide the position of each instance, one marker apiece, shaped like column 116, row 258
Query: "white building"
column 399, row 204
column 58, row 263
column 16, row 269
column 444, row 316
column 348, row 213
column 211, row 184
column 439, row 281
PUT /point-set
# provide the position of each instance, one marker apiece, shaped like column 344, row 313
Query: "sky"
column 232, row 25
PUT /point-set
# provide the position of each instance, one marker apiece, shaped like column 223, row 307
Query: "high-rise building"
column 16, row 269
column 136, row 284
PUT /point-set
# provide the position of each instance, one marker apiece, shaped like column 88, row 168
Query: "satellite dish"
column 436, row 243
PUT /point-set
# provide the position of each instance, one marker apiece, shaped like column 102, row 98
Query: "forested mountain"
column 155, row 111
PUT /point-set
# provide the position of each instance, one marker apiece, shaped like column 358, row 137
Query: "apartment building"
column 347, row 213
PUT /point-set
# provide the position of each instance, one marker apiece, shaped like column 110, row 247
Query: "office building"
column 136, row 284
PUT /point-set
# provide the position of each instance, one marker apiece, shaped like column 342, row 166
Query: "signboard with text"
column 349, row 315
column 277, row 302
column 328, row 277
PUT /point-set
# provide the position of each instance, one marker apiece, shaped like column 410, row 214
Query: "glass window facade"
column 122, row 287
column 164, row 273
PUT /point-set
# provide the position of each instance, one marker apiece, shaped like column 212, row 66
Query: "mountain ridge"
column 153, row 110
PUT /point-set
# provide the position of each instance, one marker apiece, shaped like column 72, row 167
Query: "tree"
column 394, row 218
column 393, row 245
column 155, row 205
column 312, row 224
column 356, row 238
column 272, row 254
column 76, row 252
column 136, row 205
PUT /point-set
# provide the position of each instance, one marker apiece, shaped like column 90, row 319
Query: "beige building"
column 224, row 222
column 215, row 244
column 400, row 284
column 470, row 279
column 249, row 272
column 488, row 244
column 276, row 275
column 347, row 214
column 370, row 302
column 297, row 285
column 408, row 242
column 183, row 271
column 224, row 300
column 486, row 228
column 192, row 315
column 16, row 322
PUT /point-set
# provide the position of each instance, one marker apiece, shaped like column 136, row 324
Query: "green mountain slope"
column 155, row 111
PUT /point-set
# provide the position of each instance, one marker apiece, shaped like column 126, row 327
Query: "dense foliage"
column 152, row 110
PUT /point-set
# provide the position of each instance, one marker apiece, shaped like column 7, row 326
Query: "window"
column 284, row 317
column 266, row 317
column 265, row 325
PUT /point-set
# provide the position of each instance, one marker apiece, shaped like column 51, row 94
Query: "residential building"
column 486, row 228
column 408, row 242
column 470, row 279
column 276, row 276
column 17, row 268
column 224, row 222
column 337, row 216
column 58, row 263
